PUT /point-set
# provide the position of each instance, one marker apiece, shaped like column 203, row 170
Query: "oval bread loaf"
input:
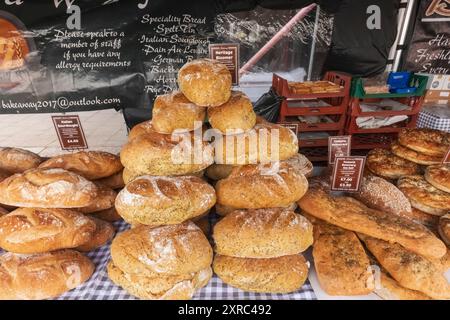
column 15, row 160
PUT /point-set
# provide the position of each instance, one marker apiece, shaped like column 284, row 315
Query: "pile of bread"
column 51, row 211
column 400, row 217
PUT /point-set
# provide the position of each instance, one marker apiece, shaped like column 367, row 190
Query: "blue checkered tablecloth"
column 99, row 287
column 435, row 118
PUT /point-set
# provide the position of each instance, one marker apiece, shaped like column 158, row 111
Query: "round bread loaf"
column 266, row 142
column 439, row 176
column 15, row 160
column 224, row 210
column 205, row 82
column 427, row 141
column 47, row 188
column 169, row 250
column 104, row 232
column 145, row 127
column 302, row 164
column 377, row 193
column 4, row 174
column 234, row 116
column 158, row 155
column 105, row 200
column 424, row 196
column 384, row 163
column 218, row 171
column 174, row 111
column 180, row 287
column 444, row 228
column 42, row 276
column 113, row 182
column 262, row 233
column 33, row 230
column 276, row 275
column 258, row 186
column 414, row 156
column 158, row 201
column 129, row 175
column 89, row 164
column 109, row 215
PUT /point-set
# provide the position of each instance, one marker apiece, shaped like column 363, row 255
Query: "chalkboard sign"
column 429, row 51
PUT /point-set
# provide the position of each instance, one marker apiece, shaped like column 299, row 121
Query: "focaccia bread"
column 47, row 188
column 439, row 176
column 15, row 160
column 205, row 82
column 427, row 141
column 174, row 111
column 414, row 156
column 350, row 214
column 384, row 163
column 262, row 233
column 37, row 230
column 424, row 196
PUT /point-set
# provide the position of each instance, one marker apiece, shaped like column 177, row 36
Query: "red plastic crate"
column 337, row 124
column 315, row 154
column 415, row 104
column 352, row 127
column 372, row 140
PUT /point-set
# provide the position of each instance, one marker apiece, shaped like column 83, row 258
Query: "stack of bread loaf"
column 53, row 203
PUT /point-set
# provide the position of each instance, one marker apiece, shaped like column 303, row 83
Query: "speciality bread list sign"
column 228, row 54
column 347, row 174
column 338, row 146
column 70, row 133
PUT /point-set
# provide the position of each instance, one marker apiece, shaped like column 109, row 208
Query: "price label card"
column 228, row 54
column 338, row 146
column 447, row 157
column 70, row 133
column 347, row 173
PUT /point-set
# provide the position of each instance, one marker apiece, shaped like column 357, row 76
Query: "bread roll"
column 113, row 182
column 414, row 156
column 384, row 163
column 109, row 215
column 15, row 160
column 382, row 195
column 169, row 250
column 89, row 164
column 104, row 232
column 32, row 230
column 409, row 269
column 224, row 210
column 341, row 264
column 258, row 186
column 180, row 287
column 389, row 289
column 156, row 201
column 439, row 177
column 349, row 213
column 47, row 188
column 424, row 196
column 427, row 141
column 266, row 142
column 42, row 276
column 218, row 171
column 240, row 233
column 444, row 228
column 104, row 201
column 234, row 116
column 205, row 82
column 276, row 275
column 174, row 111
column 165, row 156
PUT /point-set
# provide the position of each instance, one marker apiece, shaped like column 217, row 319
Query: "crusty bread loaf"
column 114, row 181
column 349, row 213
column 377, row 193
column 258, row 186
column 424, row 196
column 42, row 276
column 15, row 160
column 409, row 269
column 424, row 218
column 389, row 289
column 414, row 156
column 129, row 175
column 275, row 275
column 341, row 264
column 180, row 287
column 205, row 82
column 32, row 230
column 262, row 233
column 444, row 228
column 155, row 154
column 47, row 188
column 156, row 201
column 222, row 210
column 266, row 142
column 234, row 116
column 168, row 250
column 104, row 232
column 4, row 174
column 174, row 111
column 145, row 127
column 302, row 164
column 89, row 164
column 109, row 215
column 218, row 171
column 427, row 141
column 104, row 201
column 439, row 176
column 384, row 163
